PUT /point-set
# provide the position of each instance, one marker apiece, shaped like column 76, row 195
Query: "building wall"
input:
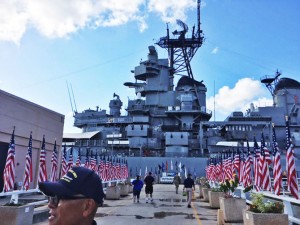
column 28, row 117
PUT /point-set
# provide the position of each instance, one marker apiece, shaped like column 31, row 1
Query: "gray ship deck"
column 167, row 208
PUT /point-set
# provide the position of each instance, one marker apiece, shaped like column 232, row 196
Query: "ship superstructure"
column 163, row 119
column 237, row 128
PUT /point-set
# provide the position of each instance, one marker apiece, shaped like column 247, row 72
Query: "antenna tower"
column 181, row 49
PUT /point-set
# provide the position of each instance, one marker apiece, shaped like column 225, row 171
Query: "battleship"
column 172, row 120
column 163, row 120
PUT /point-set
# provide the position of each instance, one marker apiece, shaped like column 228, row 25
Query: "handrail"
column 15, row 193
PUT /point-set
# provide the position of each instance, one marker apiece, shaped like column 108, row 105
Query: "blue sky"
column 94, row 44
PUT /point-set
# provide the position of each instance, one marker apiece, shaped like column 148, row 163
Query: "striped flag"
column 93, row 162
column 64, row 165
column 87, row 160
column 256, row 165
column 53, row 164
column 264, row 167
column 247, row 172
column 9, row 170
column 290, row 162
column 78, row 161
column 277, row 166
column 237, row 162
column 102, row 169
column 42, row 169
column 70, row 162
column 28, row 165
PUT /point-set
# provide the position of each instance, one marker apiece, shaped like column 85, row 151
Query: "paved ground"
column 168, row 208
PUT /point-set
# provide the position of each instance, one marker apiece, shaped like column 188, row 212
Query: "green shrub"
column 259, row 206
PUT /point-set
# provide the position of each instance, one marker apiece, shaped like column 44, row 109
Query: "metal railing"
column 15, row 194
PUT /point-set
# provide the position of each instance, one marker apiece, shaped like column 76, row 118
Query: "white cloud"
column 57, row 19
column 215, row 50
column 238, row 98
column 13, row 20
column 171, row 10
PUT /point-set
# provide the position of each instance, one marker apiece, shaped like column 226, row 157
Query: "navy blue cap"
column 78, row 180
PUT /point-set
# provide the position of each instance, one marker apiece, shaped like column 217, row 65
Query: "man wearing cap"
column 74, row 199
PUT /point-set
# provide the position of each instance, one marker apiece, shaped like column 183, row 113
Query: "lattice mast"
column 181, row 49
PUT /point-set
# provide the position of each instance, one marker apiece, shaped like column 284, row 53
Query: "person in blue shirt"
column 137, row 187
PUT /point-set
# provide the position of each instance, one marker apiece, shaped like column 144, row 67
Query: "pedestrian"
column 177, row 182
column 74, row 199
column 149, row 181
column 189, row 186
column 137, row 187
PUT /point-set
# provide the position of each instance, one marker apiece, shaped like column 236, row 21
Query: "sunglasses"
column 54, row 200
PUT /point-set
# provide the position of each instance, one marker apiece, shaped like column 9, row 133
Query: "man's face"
column 67, row 212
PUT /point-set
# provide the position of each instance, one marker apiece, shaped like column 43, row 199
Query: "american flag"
column 53, row 164
column 256, row 160
column 277, row 165
column 28, row 165
column 242, row 166
column 93, row 162
column 290, row 162
column 126, row 169
column 247, row 171
column 227, row 163
column 78, row 161
column 237, row 162
column 119, row 169
column 70, row 161
column 264, row 167
column 9, row 170
column 64, row 166
column 87, row 160
column 218, row 168
column 108, row 168
column 42, row 169
column 102, row 169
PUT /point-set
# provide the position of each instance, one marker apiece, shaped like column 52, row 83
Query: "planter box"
column 124, row 189
column 232, row 209
column 16, row 215
column 251, row 218
column 214, row 201
column 205, row 194
column 130, row 189
column 200, row 191
column 113, row 192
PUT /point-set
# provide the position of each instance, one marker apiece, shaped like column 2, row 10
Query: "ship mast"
column 270, row 83
column 181, row 49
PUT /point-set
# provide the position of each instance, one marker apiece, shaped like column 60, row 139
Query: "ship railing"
column 15, row 194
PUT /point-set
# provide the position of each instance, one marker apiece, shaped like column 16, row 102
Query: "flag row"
column 253, row 165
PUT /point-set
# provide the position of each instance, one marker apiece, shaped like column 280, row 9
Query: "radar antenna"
column 181, row 49
column 271, row 82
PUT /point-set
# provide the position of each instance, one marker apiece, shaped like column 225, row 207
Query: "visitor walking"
column 189, row 186
column 177, row 182
column 137, row 187
column 149, row 181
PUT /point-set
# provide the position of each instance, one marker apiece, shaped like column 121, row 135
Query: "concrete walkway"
column 167, row 208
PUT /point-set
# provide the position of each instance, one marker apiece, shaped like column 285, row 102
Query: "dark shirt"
column 149, row 180
column 94, row 222
column 189, row 183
